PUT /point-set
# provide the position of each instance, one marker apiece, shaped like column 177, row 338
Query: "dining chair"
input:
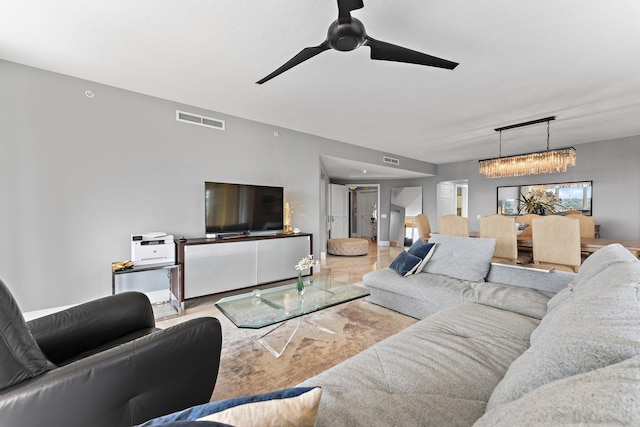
column 503, row 229
column 587, row 225
column 556, row 242
column 453, row 225
column 421, row 221
column 527, row 218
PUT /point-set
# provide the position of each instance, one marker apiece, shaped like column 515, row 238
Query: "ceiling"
column 578, row 60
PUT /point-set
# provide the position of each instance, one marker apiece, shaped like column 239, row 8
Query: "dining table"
column 588, row 245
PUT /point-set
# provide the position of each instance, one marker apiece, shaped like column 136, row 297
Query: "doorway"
column 453, row 198
column 363, row 216
column 338, row 216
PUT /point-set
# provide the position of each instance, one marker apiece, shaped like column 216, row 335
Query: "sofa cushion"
column 20, row 356
column 606, row 396
column 295, row 407
column 602, row 259
column 463, row 258
column 591, row 268
column 405, row 264
column 441, row 369
column 595, row 324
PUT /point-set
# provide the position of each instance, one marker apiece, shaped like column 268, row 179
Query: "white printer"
column 152, row 248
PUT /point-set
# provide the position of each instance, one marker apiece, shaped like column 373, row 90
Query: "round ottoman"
column 348, row 246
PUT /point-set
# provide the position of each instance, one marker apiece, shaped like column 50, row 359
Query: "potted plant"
column 538, row 202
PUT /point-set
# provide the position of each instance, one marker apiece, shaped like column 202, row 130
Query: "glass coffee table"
column 262, row 308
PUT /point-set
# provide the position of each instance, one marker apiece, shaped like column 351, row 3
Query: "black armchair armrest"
column 68, row 333
column 156, row 374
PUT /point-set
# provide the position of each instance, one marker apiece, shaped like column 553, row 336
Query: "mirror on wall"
column 406, row 203
column 570, row 196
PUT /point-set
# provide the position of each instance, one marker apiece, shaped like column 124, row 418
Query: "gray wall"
column 78, row 176
column 613, row 166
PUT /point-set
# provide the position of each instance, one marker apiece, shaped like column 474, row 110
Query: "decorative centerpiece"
column 538, row 202
column 304, row 264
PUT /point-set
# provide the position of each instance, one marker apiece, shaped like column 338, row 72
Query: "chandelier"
column 536, row 163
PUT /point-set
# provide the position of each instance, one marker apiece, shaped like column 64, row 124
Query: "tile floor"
column 343, row 268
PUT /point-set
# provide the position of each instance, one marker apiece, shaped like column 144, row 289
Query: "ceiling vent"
column 390, row 160
column 195, row 119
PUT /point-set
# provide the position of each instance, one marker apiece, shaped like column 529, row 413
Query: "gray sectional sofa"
column 460, row 270
column 515, row 347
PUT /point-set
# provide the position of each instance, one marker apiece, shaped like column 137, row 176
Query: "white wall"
column 79, row 175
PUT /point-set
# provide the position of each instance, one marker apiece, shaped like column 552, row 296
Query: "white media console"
column 210, row 266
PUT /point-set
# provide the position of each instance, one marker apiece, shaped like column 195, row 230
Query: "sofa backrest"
column 594, row 323
column 548, row 282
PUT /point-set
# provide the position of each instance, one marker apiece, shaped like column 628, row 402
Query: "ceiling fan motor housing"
column 347, row 36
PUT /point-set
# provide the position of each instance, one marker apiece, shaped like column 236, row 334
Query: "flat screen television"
column 240, row 208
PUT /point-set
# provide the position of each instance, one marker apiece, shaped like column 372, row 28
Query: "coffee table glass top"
column 266, row 307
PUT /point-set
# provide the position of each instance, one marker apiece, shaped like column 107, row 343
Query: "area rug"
column 246, row 367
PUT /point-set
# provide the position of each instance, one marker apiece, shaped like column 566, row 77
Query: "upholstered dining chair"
column 453, row 225
column 527, row 218
column 424, row 229
column 556, row 242
column 503, row 229
column 587, row 225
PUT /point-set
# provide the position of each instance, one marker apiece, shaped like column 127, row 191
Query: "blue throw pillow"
column 405, row 264
column 420, row 248
column 423, row 250
column 294, row 406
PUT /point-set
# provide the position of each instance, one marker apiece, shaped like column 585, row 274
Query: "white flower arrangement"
column 306, row 263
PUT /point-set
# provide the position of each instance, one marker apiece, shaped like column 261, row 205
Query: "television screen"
column 240, row 208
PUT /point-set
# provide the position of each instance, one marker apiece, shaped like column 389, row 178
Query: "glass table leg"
column 277, row 339
column 274, row 342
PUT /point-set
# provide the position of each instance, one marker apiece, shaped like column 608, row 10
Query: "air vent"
column 390, row 160
column 195, row 119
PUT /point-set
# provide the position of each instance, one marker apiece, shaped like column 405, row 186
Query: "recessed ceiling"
column 576, row 59
column 346, row 169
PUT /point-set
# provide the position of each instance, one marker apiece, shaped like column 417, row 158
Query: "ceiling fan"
column 347, row 33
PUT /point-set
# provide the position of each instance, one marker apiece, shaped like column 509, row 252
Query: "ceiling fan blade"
column 306, row 53
column 345, row 7
column 389, row 52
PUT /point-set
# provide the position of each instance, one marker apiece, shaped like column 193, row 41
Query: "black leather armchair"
column 102, row 363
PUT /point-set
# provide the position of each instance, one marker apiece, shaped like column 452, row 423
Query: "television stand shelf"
column 210, row 266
